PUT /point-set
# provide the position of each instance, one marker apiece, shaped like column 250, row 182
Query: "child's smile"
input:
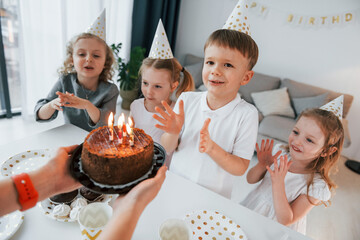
column 224, row 71
column 306, row 141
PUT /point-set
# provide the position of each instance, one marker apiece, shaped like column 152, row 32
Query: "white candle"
column 110, row 126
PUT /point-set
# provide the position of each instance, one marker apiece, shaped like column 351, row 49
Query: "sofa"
column 279, row 101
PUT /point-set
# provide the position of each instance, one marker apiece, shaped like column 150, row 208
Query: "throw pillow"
column 196, row 72
column 300, row 104
column 273, row 102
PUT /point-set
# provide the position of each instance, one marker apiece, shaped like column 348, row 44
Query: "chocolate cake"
column 114, row 163
column 65, row 197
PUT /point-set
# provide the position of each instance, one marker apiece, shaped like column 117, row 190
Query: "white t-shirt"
column 233, row 127
column 260, row 199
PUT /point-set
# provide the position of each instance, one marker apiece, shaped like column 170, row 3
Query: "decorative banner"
column 305, row 20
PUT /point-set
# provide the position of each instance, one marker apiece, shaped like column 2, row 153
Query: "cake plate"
column 76, row 171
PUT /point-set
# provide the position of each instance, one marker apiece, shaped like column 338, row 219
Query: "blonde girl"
column 83, row 92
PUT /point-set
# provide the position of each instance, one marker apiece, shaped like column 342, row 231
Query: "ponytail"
column 187, row 83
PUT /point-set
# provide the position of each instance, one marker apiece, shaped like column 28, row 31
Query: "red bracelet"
column 28, row 196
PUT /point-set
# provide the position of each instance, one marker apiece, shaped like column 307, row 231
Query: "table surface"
column 176, row 198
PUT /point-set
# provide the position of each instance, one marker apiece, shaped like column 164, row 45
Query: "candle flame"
column 128, row 129
column 110, row 120
column 120, row 122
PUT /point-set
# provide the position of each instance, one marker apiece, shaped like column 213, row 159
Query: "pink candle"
column 110, row 126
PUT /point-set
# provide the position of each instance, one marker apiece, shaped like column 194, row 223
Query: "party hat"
column 98, row 28
column 160, row 47
column 238, row 19
column 335, row 106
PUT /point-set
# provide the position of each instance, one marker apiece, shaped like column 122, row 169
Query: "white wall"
column 327, row 57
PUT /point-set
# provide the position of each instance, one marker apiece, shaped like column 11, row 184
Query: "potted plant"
column 128, row 74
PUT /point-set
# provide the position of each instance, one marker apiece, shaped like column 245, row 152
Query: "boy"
column 228, row 125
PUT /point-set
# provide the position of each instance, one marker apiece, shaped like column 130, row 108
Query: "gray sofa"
column 266, row 91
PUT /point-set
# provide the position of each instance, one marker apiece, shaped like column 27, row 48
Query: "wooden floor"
column 339, row 221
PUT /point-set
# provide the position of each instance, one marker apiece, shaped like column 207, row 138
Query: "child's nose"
column 215, row 70
column 89, row 59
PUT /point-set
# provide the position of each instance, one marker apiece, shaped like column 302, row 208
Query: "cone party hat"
column 98, row 27
column 335, row 106
column 238, row 19
column 160, row 48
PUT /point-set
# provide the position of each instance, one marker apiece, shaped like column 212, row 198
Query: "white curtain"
column 45, row 28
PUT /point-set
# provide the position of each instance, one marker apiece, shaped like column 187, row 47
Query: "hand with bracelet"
column 24, row 190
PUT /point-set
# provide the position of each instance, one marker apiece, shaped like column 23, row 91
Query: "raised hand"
column 206, row 144
column 264, row 153
column 279, row 173
column 70, row 100
column 171, row 122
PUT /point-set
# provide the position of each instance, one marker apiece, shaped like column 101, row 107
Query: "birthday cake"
column 116, row 161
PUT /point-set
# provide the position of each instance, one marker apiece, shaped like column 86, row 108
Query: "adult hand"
column 206, row 144
column 264, row 153
column 58, row 170
column 70, row 100
column 143, row 193
column 171, row 122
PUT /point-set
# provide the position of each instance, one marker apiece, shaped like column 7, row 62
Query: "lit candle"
column 123, row 126
column 131, row 134
column 120, row 124
column 110, row 125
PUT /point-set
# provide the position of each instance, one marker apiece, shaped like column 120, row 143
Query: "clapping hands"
column 206, row 144
column 264, row 153
column 279, row 173
column 171, row 122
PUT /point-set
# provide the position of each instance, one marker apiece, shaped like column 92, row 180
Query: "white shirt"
column 260, row 199
column 233, row 127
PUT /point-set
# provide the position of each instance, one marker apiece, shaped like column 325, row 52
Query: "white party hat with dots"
column 239, row 19
column 98, row 28
column 160, row 48
column 335, row 106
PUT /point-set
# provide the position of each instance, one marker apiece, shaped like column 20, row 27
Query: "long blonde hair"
column 333, row 130
column 68, row 66
column 175, row 68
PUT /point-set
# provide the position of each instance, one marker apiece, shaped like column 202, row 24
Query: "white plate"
column 47, row 207
column 26, row 161
column 10, row 223
column 213, row 225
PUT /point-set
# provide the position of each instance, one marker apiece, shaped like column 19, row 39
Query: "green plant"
column 128, row 72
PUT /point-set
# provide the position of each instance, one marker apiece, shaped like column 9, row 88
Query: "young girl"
column 159, row 79
column 290, row 189
column 83, row 92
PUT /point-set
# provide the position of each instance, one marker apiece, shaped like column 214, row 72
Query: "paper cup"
column 93, row 218
column 175, row 229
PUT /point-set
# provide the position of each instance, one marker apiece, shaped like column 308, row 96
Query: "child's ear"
column 174, row 85
column 330, row 152
column 247, row 77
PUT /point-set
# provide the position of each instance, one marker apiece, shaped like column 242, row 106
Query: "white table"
column 176, row 198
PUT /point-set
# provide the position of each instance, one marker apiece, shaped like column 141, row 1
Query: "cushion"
column 192, row 59
column 300, row 90
column 196, row 72
column 300, row 104
column 258, row 83
column 273, row 102
column 277, row 127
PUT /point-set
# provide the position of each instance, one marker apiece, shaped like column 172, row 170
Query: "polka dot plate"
column 211, row 225
column 10, row 223
column 26, row 161
column 47, row 207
